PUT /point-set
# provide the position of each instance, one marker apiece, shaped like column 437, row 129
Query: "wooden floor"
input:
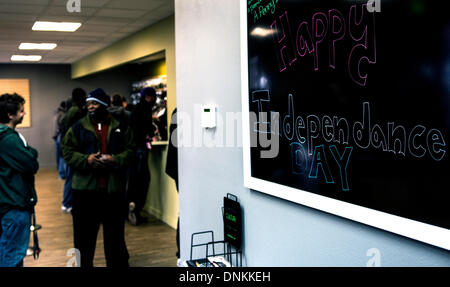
column 151, row 244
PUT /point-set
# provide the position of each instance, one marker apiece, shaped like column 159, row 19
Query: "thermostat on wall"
column 208, row 116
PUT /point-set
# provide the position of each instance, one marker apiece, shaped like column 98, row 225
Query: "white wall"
column 276, row 232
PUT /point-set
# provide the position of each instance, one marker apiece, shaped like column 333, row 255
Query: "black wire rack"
column 213, row 249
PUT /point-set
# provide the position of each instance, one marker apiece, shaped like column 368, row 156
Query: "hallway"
column 151, row 244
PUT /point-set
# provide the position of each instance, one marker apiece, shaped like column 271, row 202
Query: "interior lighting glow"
column 26, row 58
column 261, row 32
column 37, row 46
column 56, row 26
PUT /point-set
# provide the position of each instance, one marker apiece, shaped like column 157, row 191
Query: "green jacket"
column 81, row 140
column 18, row 164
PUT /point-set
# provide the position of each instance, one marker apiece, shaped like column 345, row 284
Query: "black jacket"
column 172, row 152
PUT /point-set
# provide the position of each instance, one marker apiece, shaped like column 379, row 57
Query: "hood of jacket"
column 5, row 130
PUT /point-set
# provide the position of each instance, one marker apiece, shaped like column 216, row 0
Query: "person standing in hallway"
column 18, row 165
column 144, row 133
column 172, row 167
column 73, row 114
column 118, row 111
column 57, row 121
column 99, row 149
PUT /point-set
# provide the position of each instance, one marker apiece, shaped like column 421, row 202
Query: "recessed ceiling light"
column 37, row 46
column 261, row 32
column 55, row 26
column 26, row 58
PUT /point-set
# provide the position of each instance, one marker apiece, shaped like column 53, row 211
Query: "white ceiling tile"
column 8, row 45
column 93, row 34
column 6, row 50
column 71, row 43
column 146, row 20
column 4, row 58
column 163, row 11
column 62, row 18
column 16, row 26
column 134, row 4
column 120, row 13
column 118, row 35
column 107, row 21
column 54, row 60
column 21, row 9
column 84, row 3
column 72, row 59
column 34, row 38
column 86, row 39
column 97, row 28
column 17, row 17
column 34, row 2
column 62, row 11
column 130, row 29
column 13, row 36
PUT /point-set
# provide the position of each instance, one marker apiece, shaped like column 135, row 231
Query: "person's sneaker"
column 132, row 219
column 181, row 263
column 66, row 209
column 131, row 206
column 35, row 227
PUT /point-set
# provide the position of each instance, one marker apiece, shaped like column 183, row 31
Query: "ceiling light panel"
column 26, row 58
column 87, row 3
column 56, row 26
column 37, row 46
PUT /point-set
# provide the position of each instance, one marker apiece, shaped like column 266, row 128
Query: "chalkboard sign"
column 347, row 109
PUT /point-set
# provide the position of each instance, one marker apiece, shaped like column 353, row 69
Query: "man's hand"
column 107, row 160
column 95, row 161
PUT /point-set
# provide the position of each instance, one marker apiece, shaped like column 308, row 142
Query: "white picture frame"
column 420, row 231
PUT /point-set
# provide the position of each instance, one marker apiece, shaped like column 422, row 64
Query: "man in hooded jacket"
column 18, row 164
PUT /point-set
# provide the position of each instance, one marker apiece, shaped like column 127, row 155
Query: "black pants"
column 89, row 210
column 139, row 180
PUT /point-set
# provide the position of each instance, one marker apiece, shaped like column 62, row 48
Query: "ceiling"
column 103, row 23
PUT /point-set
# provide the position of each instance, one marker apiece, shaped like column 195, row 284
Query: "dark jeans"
column 14, row 237
column 60, row 163
column 67, row 193
column 89, row 210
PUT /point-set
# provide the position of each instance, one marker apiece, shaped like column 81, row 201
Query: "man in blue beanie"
column 99, row 148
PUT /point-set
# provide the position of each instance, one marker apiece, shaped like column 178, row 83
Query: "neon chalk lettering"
column 318, row 142
column 329, row 28
column 261, row 8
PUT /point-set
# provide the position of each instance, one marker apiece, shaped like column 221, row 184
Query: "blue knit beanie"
column 99, row 96
column 149, row 91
